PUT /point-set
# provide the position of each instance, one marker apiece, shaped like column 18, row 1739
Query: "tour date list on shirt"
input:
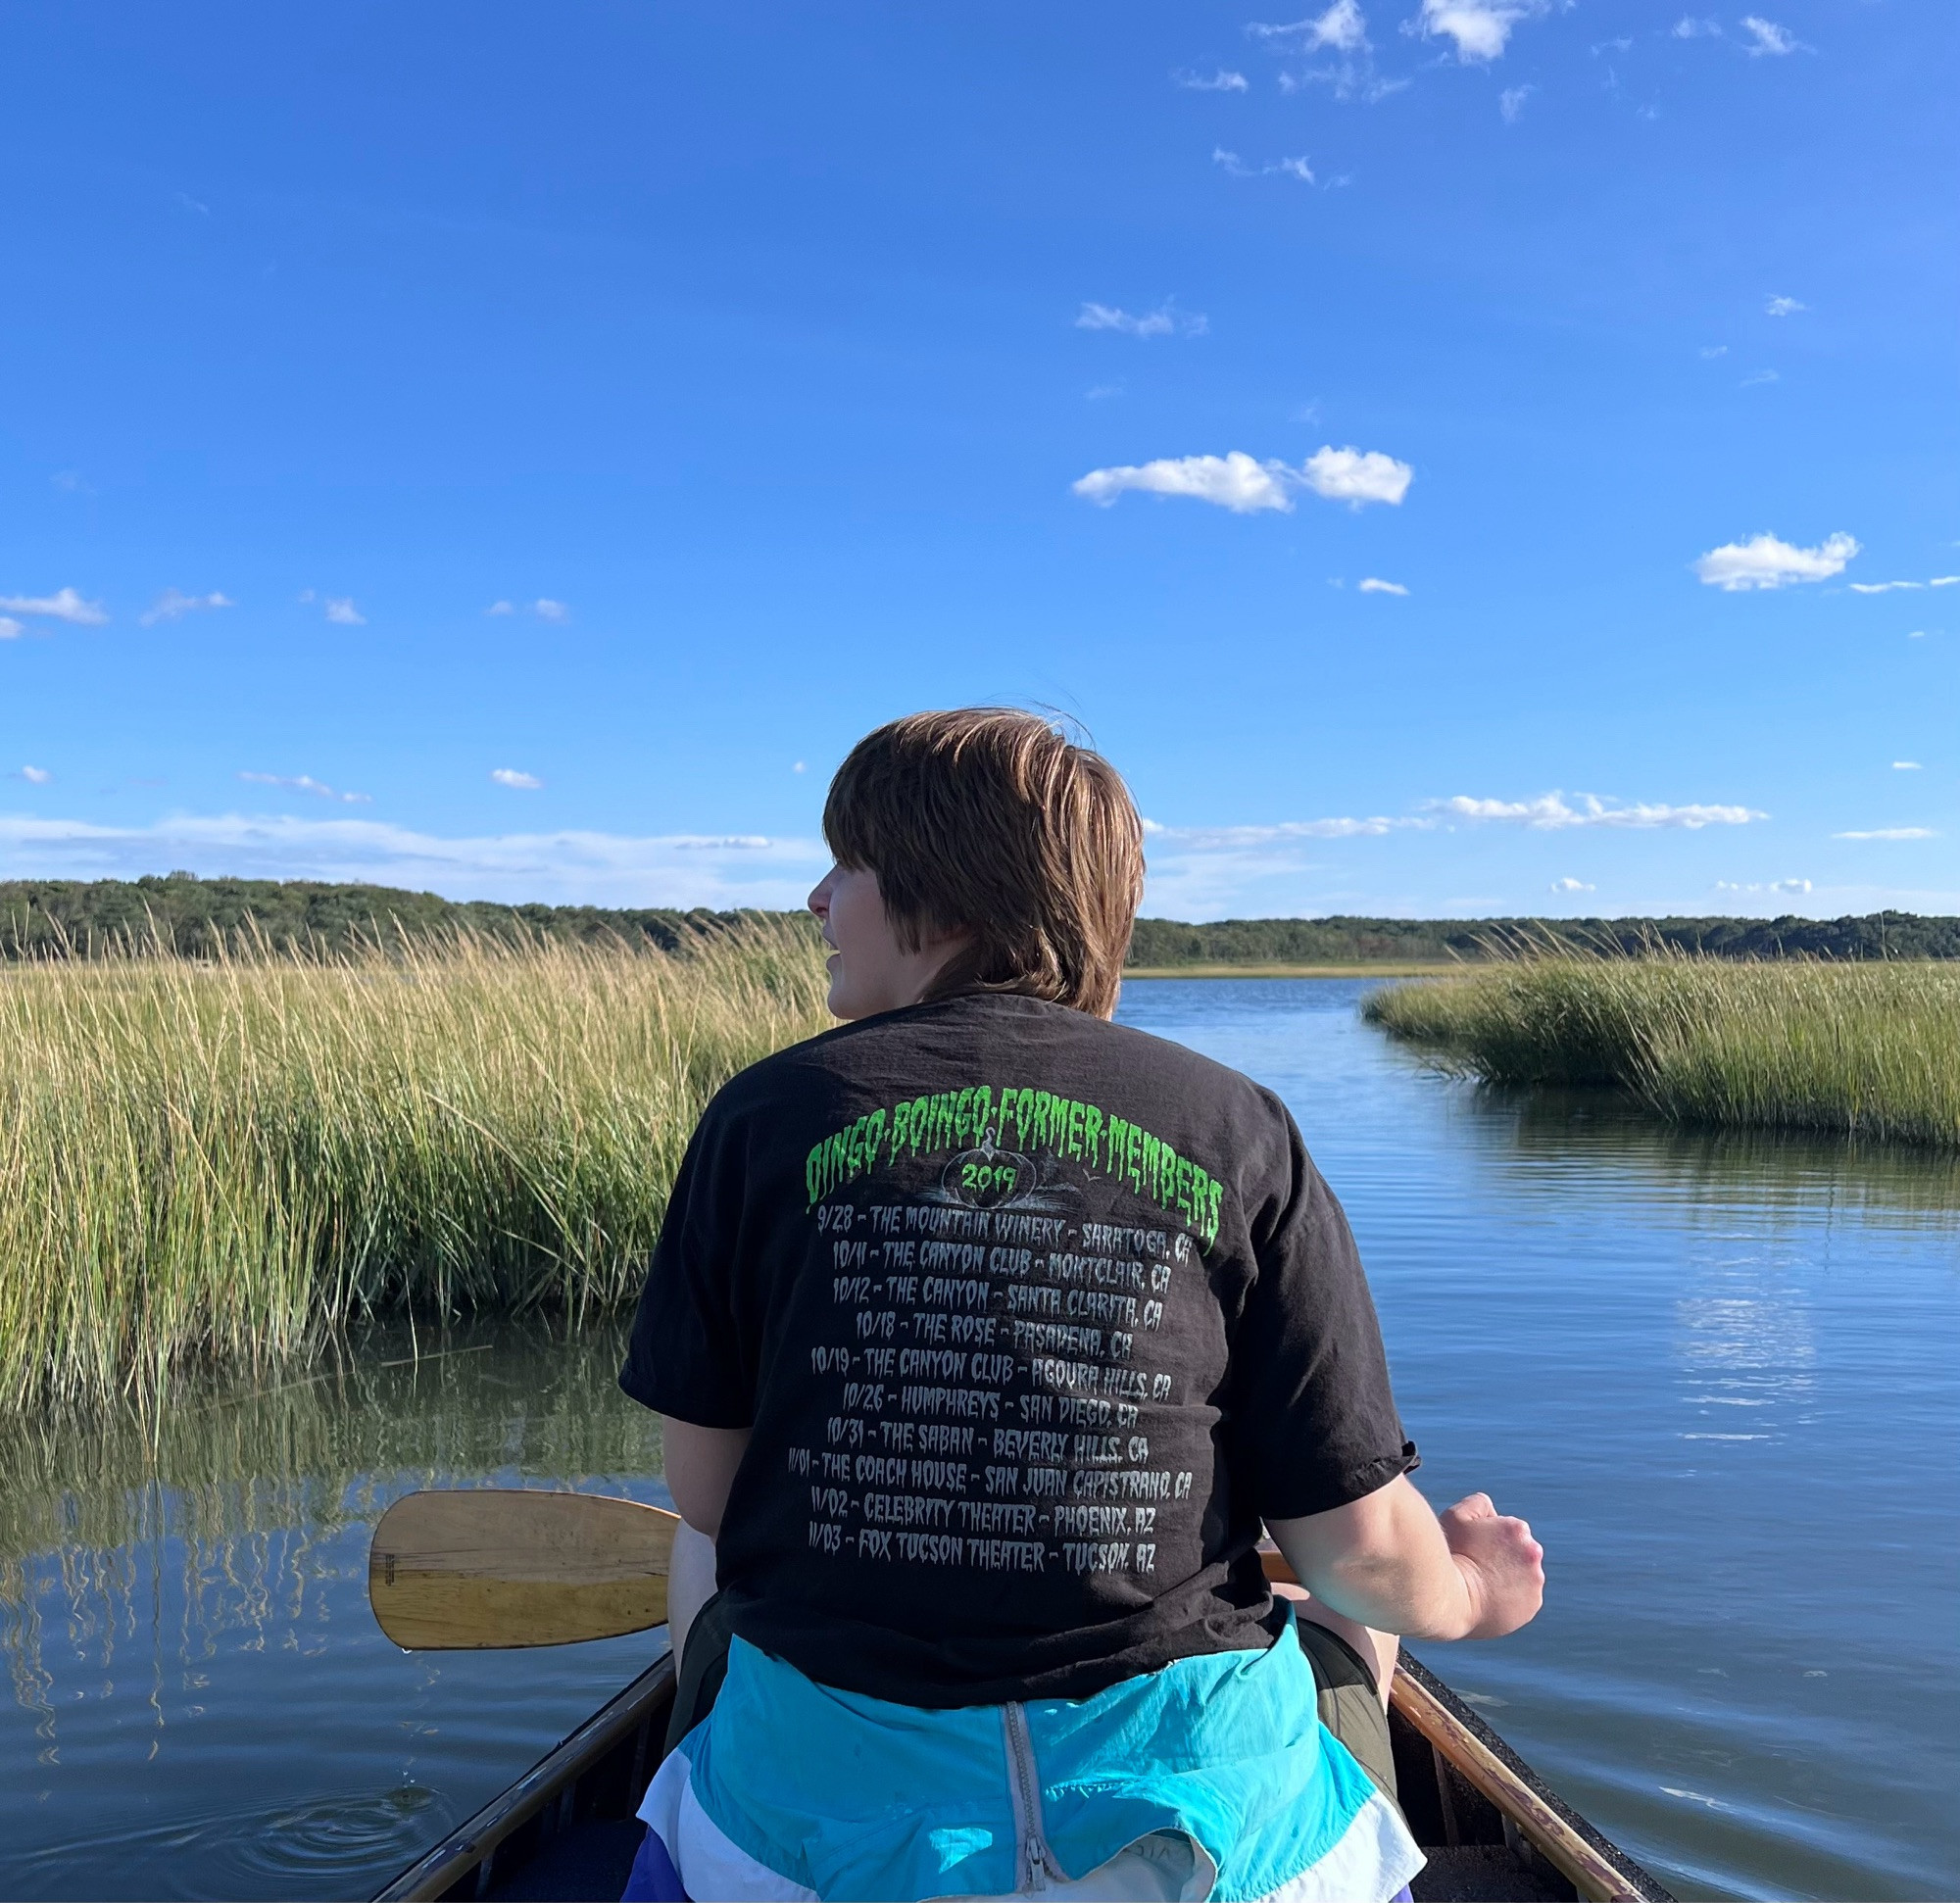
column 994, row 1354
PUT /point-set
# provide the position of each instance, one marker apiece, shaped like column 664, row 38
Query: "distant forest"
column 1418, row 941
column 55, row 918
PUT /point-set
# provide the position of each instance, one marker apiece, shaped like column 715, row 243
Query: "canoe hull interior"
column 566, row 1830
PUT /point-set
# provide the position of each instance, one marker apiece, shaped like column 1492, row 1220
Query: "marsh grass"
column 1870, row 1048
column 227, row 1164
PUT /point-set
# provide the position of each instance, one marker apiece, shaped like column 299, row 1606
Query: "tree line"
column 201, row 918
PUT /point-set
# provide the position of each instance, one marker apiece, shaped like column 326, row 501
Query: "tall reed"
column 227, row 1163
column 1870, row 1049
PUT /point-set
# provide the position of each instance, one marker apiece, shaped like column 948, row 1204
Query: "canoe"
column 566, row 1830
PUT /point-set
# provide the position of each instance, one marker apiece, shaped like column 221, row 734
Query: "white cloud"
column 1342, row 26
column 171, row 605
column 1711, row 351
column 36, row 775
column 1689, row 28
column 1357, row 476
column 1756, row 377
column 1944, row 581
column 1553, row 813
column 801, row 767
column 1164, row 322
column 547, row 610
column 509, row 777
column 1246, row 486
column 1794, row 887
column 1889, row 587
column 64, row 605
column 1100, row 392
column 1770, row 37
column 342, row 613
column 306, row 783
column 1905, row 766
column 1238, row 168
column 585, row 867
column 1784, row 306
column 1511, row 102
column 1481, row 29
column 1238, row 838
column 1375, row 585
column 1765, row 561
column 11, row 629
column 1571, row 885
column 1892, row 832
column 500, row 607
column 1234, row 481
column 1220, row 81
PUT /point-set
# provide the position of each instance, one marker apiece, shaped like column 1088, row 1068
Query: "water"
column 1717, row 1373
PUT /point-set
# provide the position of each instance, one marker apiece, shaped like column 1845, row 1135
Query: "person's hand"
column 1501, row 1564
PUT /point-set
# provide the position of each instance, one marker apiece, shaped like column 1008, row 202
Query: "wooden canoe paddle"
column 473, row 1568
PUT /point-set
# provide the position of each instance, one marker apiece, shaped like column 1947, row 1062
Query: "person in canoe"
column 988, row 1338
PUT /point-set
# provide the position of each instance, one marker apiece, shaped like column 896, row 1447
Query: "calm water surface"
column 1717, row 1373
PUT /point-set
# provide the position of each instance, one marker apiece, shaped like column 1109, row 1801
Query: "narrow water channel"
column 1718, row 1373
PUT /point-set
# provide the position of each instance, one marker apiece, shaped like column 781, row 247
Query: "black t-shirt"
column 1034, row 1319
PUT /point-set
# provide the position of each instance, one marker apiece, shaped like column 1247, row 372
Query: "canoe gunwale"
column 1595, row 1867
column 473, row 1846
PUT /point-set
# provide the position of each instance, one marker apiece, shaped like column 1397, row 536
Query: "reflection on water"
column 1717, row 1371
column 201, row 1703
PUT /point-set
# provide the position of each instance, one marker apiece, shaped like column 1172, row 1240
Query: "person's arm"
column 701, row 1464
column 1389, row 1561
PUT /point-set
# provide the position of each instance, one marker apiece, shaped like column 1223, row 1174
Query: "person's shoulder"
column 795, row 1067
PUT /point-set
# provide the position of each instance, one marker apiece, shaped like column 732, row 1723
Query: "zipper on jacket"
column 1035, row 1860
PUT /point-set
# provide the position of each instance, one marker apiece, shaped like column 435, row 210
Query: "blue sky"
column 1457, row 457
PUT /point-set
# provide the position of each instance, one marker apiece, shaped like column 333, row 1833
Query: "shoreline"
column 1385, row 968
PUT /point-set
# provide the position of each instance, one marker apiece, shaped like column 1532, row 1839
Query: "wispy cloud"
column 306, row 783
column 64, row 605
column 1343, row 28
column 1891, row 587
column 342, row 613
column 1765, row 561
column 509, row 777
column 1570, row 884
column 1711, row 351
column 1221, row 81
column 1784, row 306
column 1554, row 812
column 36, row 775
column 1375, row 585
column 172, row 606
column 1511, row 102
column 1767, row 37
column 1793, row 888
column 573, row 867
column 1216, row 837
column 1905, row 766
column 1166, row 320
column 544, row 608
column 1237, row 167
column 1481, row 29
column 1246, row 486
column 1756, row 377
column 1892, row 832
column 1689, row 28
column 11, row 629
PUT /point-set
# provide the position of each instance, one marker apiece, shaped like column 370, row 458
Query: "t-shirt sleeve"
column 1316, row 1421
column 695, row 1351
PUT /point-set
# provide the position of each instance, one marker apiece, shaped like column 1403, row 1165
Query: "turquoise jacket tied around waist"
column 862, row 1798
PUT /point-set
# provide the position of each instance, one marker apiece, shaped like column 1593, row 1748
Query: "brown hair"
column 988, row 820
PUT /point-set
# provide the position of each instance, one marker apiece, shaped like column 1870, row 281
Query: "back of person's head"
column 987, row 821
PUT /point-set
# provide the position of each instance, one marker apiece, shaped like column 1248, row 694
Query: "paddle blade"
column 463, row 1570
